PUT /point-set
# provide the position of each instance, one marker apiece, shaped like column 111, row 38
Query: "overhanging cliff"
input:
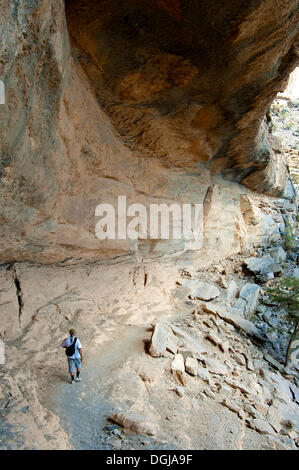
column 154, row 100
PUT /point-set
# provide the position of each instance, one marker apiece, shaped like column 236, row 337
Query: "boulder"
column 232, row 290
column 204, row 375
column 237, row 384
column 191, row 365
column 278, row 254
column 250, row 293
column 205, row 291
column 172, row 344
column 234, row 319
column 261, row 426
column 274, row 418
column 190, row 343
column 135, row 422
column 217, row 340
column 178, row 363
column 178, row 369
column 239, row 359
column 232, row 406
column 262, row 267
column 239, row 307
column 163, row 340
column 179, row 391
column 272, row 361
column 222, row 282
column 215, row 366
column 159, row 340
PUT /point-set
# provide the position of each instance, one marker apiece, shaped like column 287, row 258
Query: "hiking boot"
column 78, row 379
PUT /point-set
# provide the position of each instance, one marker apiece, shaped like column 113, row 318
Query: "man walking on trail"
column 73, row 351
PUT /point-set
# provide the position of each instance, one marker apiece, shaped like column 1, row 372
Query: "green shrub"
column 290, row 237
column 286, row 295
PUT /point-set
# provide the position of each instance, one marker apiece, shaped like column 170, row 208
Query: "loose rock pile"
column 230, row 369
column 228, row 345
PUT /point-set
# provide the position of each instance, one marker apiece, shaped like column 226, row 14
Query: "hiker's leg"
column 78, row 367
column 72, row 368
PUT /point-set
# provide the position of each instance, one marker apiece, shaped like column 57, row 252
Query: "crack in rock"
column 17, row 282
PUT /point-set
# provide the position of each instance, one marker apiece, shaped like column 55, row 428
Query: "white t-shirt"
column 67, row 342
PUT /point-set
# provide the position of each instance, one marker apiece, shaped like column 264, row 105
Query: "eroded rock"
column 205, row 291
column 191, row 365
column 135, row 422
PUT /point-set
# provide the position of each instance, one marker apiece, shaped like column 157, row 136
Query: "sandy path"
column 84, row 407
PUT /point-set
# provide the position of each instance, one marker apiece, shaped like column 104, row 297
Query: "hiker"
column 73, row 350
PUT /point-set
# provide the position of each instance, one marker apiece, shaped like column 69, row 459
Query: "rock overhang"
column 152, row 100
column 190, row 82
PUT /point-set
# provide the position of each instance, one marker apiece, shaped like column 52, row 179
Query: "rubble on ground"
column 227, row 349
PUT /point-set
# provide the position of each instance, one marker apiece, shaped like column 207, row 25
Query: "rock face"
column 158, row 101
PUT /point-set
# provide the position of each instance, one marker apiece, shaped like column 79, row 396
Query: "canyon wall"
column 154, row 100
column 160, row 101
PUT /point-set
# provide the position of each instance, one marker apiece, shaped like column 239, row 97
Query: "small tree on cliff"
column 286, row 295
column 290, row 236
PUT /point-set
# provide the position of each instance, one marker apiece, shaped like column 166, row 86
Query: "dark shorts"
column 74, row 364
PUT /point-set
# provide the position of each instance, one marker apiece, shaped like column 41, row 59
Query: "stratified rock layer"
column 155, row 100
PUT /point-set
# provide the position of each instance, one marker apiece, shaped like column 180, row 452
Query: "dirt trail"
column 84, row 407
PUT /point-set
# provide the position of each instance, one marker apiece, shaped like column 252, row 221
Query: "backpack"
column 70, row 350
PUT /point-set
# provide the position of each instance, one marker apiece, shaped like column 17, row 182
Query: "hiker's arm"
column 80, row 351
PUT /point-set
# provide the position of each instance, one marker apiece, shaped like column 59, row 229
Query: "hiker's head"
column 72, row 332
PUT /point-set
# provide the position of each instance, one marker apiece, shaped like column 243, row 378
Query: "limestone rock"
column 179, row 391
column 272, row 361
column 239, row 307
column 134, row 422
column 261, row 426
column 163, row 340
column 232, row 290
column 178, row 369
column 278, row 254
column 232, row 318
column 172, row 343
column 204, row 375
column 274, row 418
column 214, row 366
column 205, row 291
column 178, row 363
column 190, row 343
column 159, row 340
column 240, row 359
column 232, row 406
column 217, row 340
column 191, row 365
column 237, row 384
column 250, row 293
column 208, row 392
column 262, row 266
column 222, row 282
